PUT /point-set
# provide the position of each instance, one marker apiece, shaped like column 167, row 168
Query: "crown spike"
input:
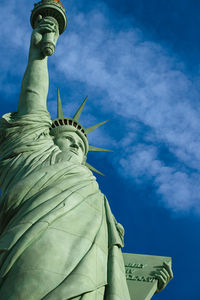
column 93, row 169
column 92, row 148
column 79, row 111
column 92, row 128
column 59, row 106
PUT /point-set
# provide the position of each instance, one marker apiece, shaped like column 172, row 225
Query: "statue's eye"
column 69, row 138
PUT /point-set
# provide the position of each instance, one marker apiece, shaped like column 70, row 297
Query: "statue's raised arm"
column 35, row 83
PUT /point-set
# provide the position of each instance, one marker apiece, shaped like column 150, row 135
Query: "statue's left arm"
column 35, row 83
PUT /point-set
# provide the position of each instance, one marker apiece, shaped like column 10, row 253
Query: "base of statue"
column 139, row 268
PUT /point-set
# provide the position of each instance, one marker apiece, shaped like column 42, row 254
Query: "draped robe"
column 59, row 239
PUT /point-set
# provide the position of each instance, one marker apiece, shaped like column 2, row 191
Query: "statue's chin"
column 68, row 156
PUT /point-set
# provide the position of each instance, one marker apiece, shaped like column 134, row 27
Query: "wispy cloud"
column 142, row 83
column 14, row 38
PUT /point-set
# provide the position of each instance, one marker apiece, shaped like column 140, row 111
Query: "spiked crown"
column 62, row 124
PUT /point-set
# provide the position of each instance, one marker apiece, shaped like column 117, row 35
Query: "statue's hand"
column 164, row 274
column 44, row 26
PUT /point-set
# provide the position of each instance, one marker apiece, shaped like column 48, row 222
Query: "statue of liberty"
column 59, row 239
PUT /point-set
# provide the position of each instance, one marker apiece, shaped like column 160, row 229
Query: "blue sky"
column 138, row 61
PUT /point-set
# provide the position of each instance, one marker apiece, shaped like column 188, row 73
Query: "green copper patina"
column 59, row 239
column 146, row 274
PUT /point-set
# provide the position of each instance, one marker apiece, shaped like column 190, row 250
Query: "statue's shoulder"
column 39, row 119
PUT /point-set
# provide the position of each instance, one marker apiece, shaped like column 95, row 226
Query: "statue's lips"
column 74, row 151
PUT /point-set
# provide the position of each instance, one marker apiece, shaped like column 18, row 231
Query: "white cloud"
column 14, row 39
column 141, row 80
column 178, row 190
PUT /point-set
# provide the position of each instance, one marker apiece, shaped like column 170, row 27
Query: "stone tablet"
column 142, row 283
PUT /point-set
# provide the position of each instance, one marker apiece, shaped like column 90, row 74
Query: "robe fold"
column 59, row 239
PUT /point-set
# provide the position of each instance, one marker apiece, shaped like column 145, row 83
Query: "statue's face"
column 71, row 144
